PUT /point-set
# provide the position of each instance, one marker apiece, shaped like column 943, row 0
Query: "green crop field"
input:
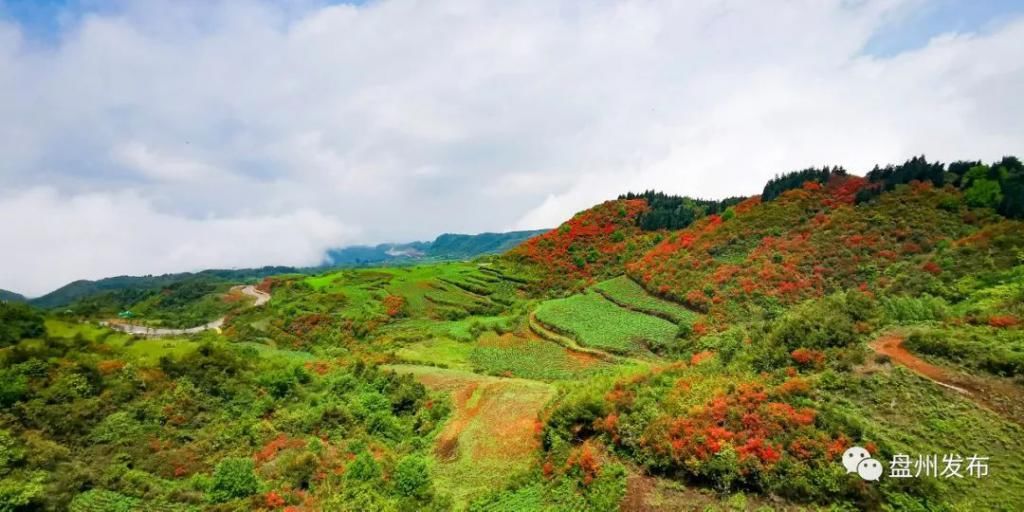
column 443, row 291
column 626, row 293
column 598, row 323
column 440, row 351
column 539, row 359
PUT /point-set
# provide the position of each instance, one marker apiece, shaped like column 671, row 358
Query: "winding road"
column 995, row 394
column 142, row 330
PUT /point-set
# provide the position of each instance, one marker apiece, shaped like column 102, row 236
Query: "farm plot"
column 531, row 358
column 441, row 291
column 596, row 322
column 625, row 292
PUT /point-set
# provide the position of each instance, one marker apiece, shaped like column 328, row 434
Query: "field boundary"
column 624, row 305
column 553, row 335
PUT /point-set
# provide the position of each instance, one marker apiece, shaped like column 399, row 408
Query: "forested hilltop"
column 654, row 352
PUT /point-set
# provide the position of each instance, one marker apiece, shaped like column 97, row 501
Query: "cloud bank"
column 167, row 136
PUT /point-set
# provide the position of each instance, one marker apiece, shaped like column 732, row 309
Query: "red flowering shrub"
column 109, row 366
column 273, row 500
column 1003, row 321
column 305, row 324
column 548, row 469
column 731, row 435
column 932, row 268
column 744, row 419
column 584, row 460
column 804, row 244
column 794, row 386
column 698, row 300
column 595, row 242
column 394, row 305
column 808, row 357
column 699, row 329
column 702, row 356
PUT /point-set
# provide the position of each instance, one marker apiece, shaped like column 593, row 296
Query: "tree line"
column 676, row 212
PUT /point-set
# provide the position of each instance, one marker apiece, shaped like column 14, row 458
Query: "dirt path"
column 156, row 332
column 997, row 395
column 892, row 345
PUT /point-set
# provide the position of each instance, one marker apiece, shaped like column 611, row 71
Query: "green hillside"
column 654, row 352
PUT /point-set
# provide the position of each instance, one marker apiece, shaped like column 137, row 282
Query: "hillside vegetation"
column 654, row 352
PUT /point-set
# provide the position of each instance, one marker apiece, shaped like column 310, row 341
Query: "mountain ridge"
column 447, row 246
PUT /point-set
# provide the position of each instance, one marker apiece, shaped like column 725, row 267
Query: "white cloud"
column 159, row 167
column 90, row 236
column 399, row 120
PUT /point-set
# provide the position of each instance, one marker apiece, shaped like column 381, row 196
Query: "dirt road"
column 995, row 394
column 155, row 332
column 892, row 345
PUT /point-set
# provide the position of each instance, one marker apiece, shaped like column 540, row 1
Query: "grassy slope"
column 490, row 436
column 913, row 416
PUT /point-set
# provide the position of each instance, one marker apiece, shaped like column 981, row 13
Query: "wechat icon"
column 858, row 460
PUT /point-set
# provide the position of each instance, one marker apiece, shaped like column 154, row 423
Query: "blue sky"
column 45, row 20
column 932, row 18
column 201, row 129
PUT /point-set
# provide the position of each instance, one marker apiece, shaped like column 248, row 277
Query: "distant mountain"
column 445, row 247
column 131, row 289
column 76, row 290
column 9, row 296
column 357, row 255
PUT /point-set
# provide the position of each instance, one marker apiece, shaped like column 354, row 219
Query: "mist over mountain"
column 445, row 247
column 448, row 246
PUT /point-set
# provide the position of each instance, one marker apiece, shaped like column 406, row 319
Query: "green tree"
column 363, row 468
column 118, row 428
column 15, row 493
column 234, row 477
column 984, row 193
column 10, row 451
column 19, row 321
column 13, row 386
column 412, row 478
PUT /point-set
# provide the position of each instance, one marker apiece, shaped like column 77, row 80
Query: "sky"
column 148, row 136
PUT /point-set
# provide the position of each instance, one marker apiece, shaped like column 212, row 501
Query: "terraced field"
column 531, row 358
column 444, row 291
column 596, row 322
column 626, row 293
